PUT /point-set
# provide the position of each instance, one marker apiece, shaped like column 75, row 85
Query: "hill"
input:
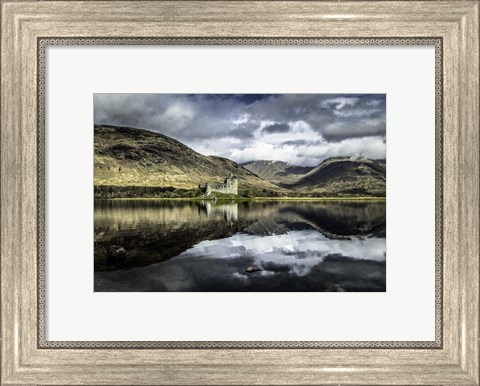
column 342, row 176
column 278, row 172
column 135, row 162
column 129, row 157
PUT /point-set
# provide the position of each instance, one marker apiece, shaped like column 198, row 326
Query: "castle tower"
column 230, row 184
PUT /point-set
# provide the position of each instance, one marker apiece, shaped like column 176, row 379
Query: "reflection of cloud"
column 300, row 251
column 296, row 261
column 237, row 275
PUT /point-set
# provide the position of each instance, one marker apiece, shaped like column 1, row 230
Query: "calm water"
column 155, row 245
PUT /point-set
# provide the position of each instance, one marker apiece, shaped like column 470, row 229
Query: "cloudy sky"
column 301, row 129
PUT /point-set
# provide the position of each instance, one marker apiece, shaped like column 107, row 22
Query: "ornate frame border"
column 42, row 343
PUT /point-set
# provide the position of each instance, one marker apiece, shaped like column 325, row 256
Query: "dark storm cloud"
column 298, row 128
column 300, row 142
column 185, row 117
column 335, row 117
column 277, row 128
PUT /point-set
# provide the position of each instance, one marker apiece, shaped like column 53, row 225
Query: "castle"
column 229, row 186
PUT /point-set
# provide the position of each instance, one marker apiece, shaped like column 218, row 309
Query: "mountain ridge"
column 278, row 172
column 345, row 176
column 127, row 157
column 135, row 157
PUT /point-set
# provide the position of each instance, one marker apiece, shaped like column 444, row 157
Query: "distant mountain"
column 337, row 176
column 278, row 172
column 342, row 176
column 133, row 157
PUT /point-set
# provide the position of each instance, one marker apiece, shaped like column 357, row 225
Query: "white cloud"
column 360, row 113
column 340, row 102
column 373, row 102
column 310, row 153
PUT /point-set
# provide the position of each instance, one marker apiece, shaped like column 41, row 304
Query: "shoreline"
column 244, row 199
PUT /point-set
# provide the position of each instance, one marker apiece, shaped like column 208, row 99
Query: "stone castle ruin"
column 229, row 186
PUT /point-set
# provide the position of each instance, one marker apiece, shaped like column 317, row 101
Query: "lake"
column 277, row 246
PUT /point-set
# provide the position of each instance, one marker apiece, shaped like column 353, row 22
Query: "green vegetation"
column 171, row 193
column 112, row 191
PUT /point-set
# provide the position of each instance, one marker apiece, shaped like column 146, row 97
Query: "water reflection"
column 157, row 245
column 229, row 211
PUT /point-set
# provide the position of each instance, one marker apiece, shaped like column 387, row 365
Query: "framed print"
column 250, row 192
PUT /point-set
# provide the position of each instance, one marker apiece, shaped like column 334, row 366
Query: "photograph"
column 239, row 192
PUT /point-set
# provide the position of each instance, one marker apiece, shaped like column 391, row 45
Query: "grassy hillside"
column 135, row 158
column 342, row 176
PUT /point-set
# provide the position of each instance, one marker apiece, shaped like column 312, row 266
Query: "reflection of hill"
column 152, row 231
column 118, row 214
column 332, row 219
column 266, row 227
column 346, row 219
column 150, row 245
